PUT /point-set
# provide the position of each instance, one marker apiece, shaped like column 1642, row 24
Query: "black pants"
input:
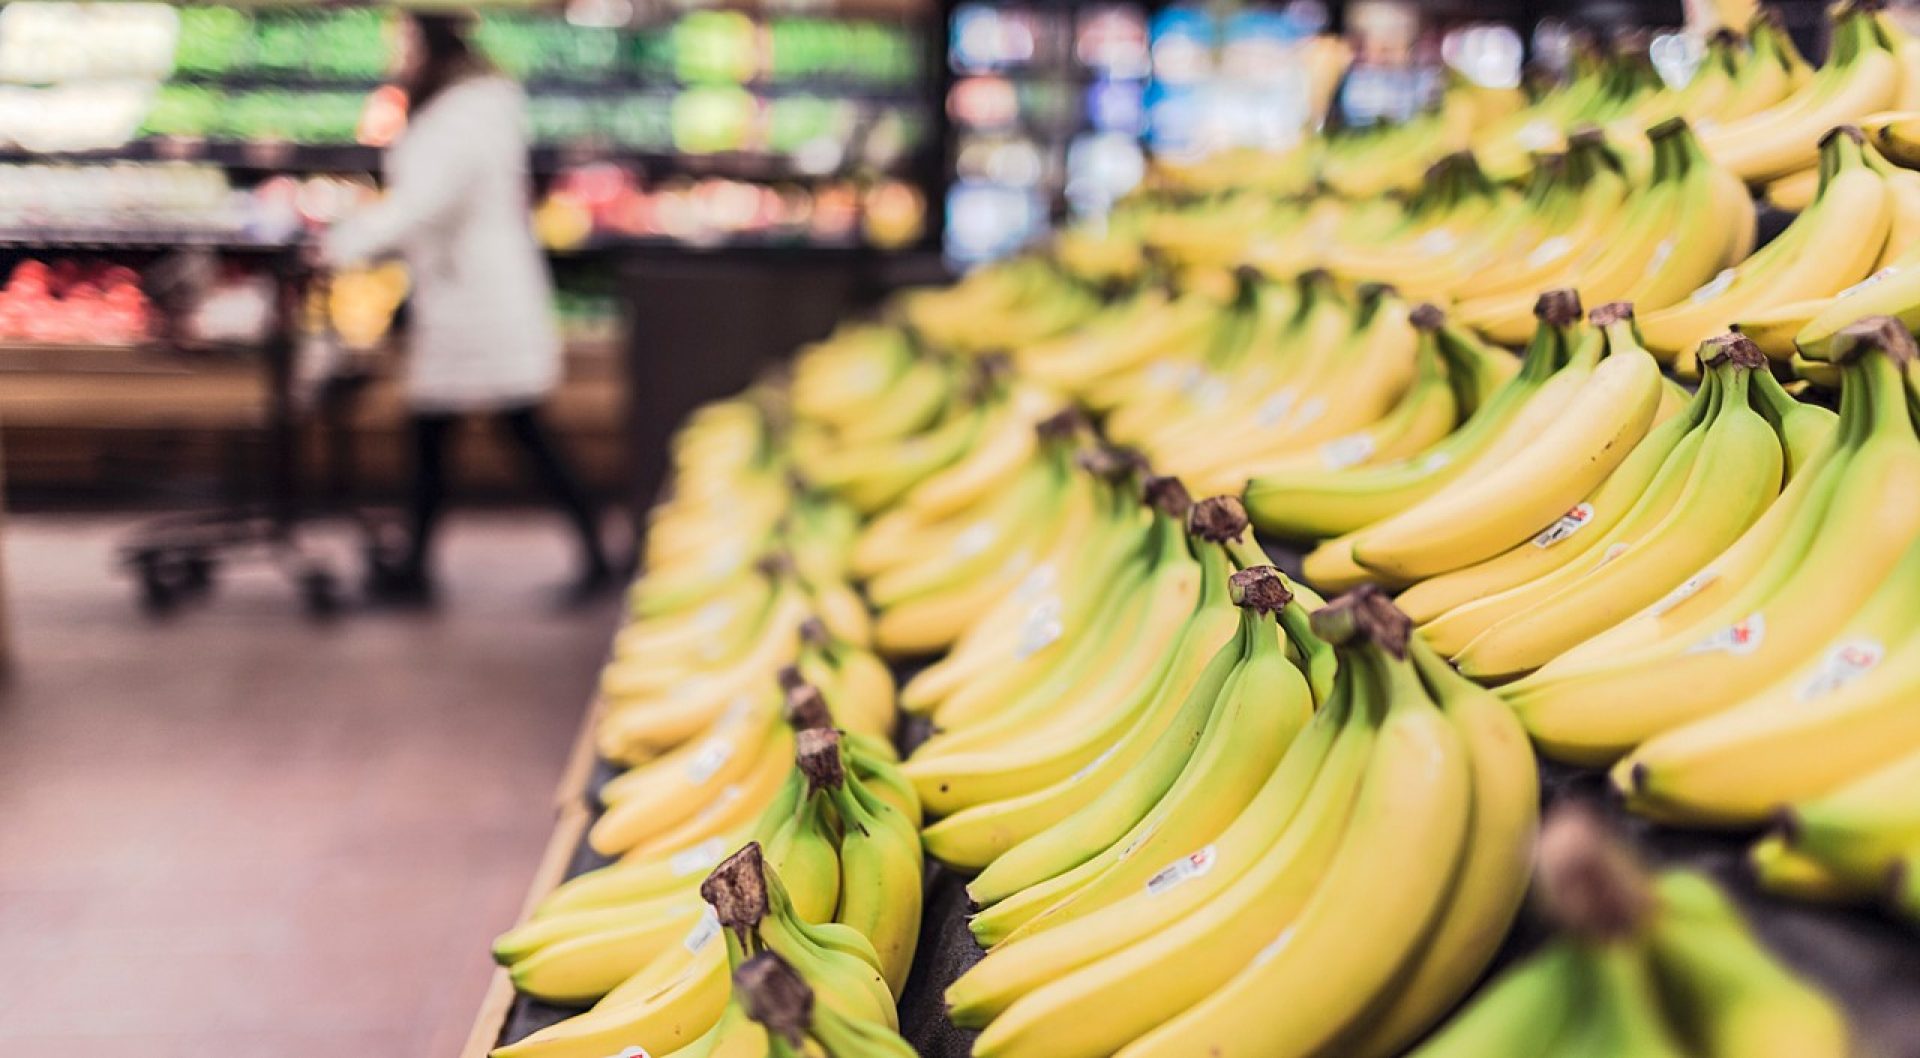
column 431, row 431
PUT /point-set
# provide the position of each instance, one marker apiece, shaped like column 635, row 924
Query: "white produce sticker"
column 974, row 539
column 699, row 858
column 1343, row 452
column 714, row 616
column 633, row 1052
column 1714, row 287
column 1843, row 664
column 737, row 710
column 1566, row 525
column 1273, row 411
column 1869, row 281
column 1740, row 638
column 1659, row 256
column 1612, row 552
column 1184, row 869
column 1211, row 394
column 1039, row 579
column 1549, row 251
column 1436, row 461
column 708, row 760
column 703, row 931
column 1437, row 242
column 1538, row 135
column 1312, row 410
column 1041, row 629
column 1164, row 373
column 1688, row 588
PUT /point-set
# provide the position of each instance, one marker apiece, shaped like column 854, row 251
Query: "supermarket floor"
column 233, row 833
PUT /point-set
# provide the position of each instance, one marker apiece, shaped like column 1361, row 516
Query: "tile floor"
column 234, row 833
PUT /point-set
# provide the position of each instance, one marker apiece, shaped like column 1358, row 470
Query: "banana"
column 877, row 881
column 1780, row 869
column 1423, row 415
column 1862, row 829
column 1491, row 882
column 1604, row 418
column 1861, row 77
column 682, row 999
column 1838, row 704
column 782, row 1006
column 1845, row 231
column 1730, row 997
column 1523, row 1011
column 1625, row 1015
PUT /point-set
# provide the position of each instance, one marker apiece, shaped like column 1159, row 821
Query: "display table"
column 1869, row 961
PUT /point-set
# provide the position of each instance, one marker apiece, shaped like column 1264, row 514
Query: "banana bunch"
column 1869, row 69
column 1593, row 393
column 726, row 497
column 1725, row 683
column 786, row 1022
column 1000, row 306
column 933, row 413
column 824, row 823
column 842, row 907
column 1802, row 331
column 1643, row 967
column 1022, row 635
column 1378, row 159
column 1679, row 498
column 1605, row 85
column 1688, row 221
column 1856, row 843
column 1366, row 876
column 1336, row 495
column 841, row 378
column 675, row 677
column 962, row 540
column 1085, row 663
column 1013, row 834
column 1228, row 734
column 1459, row 222
column 1841, row 239
column 1333, row 383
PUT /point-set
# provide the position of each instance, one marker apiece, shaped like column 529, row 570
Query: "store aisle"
column 235, row 833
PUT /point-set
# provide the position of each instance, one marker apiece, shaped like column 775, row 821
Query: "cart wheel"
column 159, row 593
column 196, row 574
column 320, row 592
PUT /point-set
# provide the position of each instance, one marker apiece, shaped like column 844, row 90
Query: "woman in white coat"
column 483, row 335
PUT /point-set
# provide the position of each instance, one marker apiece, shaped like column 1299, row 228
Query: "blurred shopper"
column 484, row 341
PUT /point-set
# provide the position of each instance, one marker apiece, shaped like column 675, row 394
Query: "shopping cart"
column 310, row 380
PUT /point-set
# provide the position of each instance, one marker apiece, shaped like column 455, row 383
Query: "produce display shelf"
column 276, row 156
column 145, row 239
column 1869, row 961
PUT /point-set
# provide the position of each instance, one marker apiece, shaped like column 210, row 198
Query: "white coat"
column 483, row 334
